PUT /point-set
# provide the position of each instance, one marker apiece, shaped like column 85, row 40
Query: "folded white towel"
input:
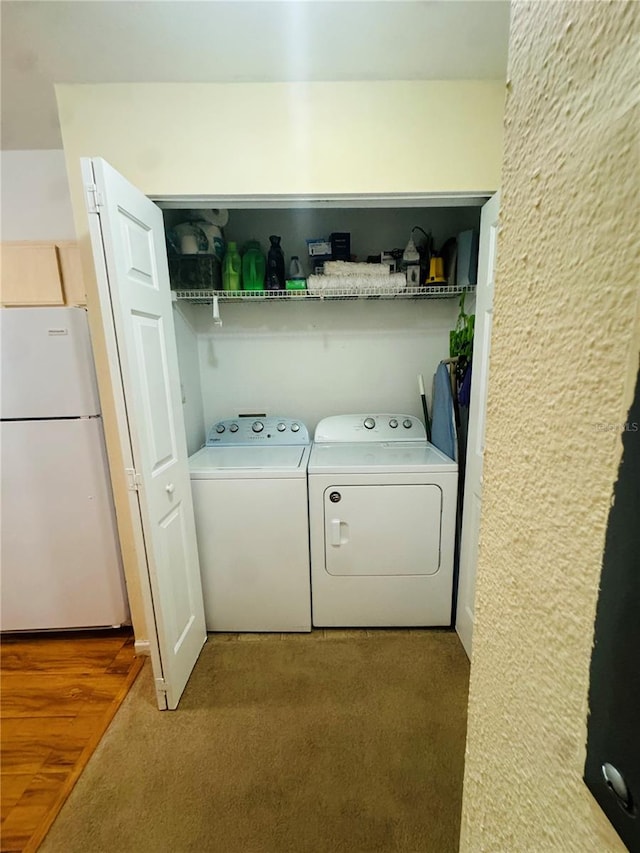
column 353, row 268
column 356, row 284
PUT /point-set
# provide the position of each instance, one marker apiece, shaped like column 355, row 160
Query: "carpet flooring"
column 335, row 741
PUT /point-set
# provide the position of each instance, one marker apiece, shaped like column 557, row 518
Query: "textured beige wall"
column 565, row 350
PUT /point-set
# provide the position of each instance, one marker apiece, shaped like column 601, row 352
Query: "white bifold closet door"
column 128, row 242
column 469, row 541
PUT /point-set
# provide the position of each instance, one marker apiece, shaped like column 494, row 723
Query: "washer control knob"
column 407, row 424
column 233, row 428
column 220, row 428
column 369, row 423
column 393, row 423
column 281, row 427
column 295, row 427
column 257, row 426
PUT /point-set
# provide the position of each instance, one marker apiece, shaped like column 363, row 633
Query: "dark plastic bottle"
column 275, row 266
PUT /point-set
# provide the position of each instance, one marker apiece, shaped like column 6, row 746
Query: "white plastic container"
column 295, row 268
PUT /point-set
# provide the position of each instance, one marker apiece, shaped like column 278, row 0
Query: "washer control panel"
column 384, row 427
column 258, row 429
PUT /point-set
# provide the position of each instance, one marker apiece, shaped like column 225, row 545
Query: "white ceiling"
column 107, row 41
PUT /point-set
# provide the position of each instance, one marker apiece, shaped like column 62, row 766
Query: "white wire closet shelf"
column 430, row 291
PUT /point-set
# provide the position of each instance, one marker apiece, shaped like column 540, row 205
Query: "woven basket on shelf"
column 195, row 272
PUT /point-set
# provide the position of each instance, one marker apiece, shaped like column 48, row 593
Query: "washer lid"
column 383, row 457
column 252, row 461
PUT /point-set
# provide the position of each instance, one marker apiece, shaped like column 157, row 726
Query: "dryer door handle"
column 338, row 535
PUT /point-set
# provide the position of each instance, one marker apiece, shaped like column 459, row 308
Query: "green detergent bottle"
column 232, row 268
column 254, row 266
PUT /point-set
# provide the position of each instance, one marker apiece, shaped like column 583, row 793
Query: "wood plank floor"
column 59, row 694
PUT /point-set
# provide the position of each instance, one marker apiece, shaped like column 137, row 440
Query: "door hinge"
column 161, row 686
column 94, row 198
column 134, row 480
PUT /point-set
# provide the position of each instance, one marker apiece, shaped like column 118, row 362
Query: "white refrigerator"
column 60, row 559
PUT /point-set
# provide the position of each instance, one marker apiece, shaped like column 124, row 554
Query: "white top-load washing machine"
column 382, row 512
column 249, row 488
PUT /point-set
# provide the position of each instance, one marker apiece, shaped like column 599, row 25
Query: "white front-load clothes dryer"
column 249, row 487
column 382, row 512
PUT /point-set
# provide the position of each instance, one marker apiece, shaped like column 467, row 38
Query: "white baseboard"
column 142, row 647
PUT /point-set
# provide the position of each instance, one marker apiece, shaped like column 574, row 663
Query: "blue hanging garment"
column 464, row 394
column 443, row 424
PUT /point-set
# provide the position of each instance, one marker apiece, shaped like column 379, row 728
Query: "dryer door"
column 382, row 530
